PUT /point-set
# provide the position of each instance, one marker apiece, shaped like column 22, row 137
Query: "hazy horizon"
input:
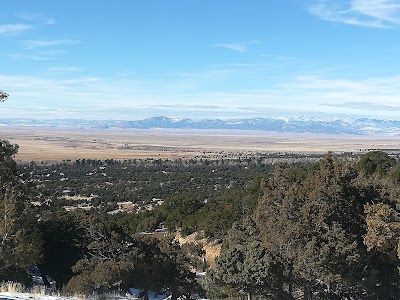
column 131, row 60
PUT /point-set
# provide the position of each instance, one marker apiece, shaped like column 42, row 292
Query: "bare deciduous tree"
column 3, row 96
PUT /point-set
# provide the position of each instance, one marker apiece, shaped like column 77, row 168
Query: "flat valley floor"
column 40, row 143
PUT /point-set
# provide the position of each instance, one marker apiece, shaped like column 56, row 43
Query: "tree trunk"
column 290, row 280
column 145, row 295
column 307, row 292
column 174, row 295
column 45, row 280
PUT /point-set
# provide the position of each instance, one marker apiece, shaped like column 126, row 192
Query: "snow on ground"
column 27, row 296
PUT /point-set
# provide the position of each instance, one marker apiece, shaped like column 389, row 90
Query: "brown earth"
column 212, row 248
column 40, row 143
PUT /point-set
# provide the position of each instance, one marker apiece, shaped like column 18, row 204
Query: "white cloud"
column 14, row 28
column 121, row 97
column 22, row 56
column 365, row 105
column 65, row 69
column 238, row 47
column 36, row 17
column 28, row 16
column 366, row 13
column 50, row 21
column 48, row 43
column 277, row 57
column 385, row 10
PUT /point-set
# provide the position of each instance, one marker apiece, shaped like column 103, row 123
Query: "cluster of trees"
column 139, row 181
column 83, row 252
column 332, row 235
column 189, row 213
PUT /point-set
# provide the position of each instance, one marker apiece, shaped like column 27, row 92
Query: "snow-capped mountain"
column 360, row 126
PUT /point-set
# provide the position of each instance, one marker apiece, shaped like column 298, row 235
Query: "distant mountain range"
column 360, row 126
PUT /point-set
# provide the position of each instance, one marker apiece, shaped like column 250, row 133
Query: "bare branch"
column 3, row 96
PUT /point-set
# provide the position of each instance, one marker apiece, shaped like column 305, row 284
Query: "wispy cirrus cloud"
column 50, row 21
column 366, row 13
column 14, row 28
column 310, row 95
column 241, row 47
column 65, row 69
column 364, row 105
column 36, row 17
column 277, row 56
column 28, row 16
column 30, row 44
column 22, row 56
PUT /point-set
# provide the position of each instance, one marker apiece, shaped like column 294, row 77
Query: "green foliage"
column 20, row 244
column 316, row 227
column 139, row 181
column 7, row 163
column 63, row 245
column 246, row 266
column 117, row 261
column 375, row 162
column 395, row 173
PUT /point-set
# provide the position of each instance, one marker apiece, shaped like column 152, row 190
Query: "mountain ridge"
column 359, row 126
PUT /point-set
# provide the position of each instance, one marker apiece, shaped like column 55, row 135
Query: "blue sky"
column 131, row 59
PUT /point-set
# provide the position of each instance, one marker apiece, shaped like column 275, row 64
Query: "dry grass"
column 62, row 144
column 12, row 287
column 18, row 288
column 15, row 287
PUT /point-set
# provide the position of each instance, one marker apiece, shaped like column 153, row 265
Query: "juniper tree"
column 375, row 162
column 246, row 266
column 63, row 245
column 316, row 227
column 117, row 261
column 20, row 244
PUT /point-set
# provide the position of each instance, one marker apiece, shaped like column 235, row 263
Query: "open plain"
column 40, row 143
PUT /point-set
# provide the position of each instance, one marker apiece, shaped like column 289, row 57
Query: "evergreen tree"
column 375, row 162
column 316, row 227
column 63, row 245
column 20, row 244
column 246, row 266
column 117, row 261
